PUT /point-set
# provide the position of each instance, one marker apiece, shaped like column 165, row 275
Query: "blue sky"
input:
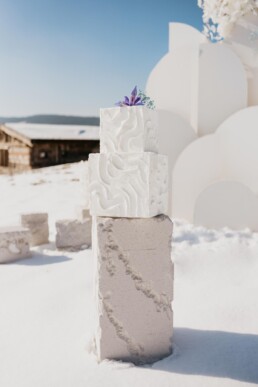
column 75, row 56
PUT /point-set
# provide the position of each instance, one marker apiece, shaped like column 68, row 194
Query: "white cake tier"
column 128, row 129
column 132, row 185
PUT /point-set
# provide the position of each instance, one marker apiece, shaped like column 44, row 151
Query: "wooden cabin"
column 25, row 146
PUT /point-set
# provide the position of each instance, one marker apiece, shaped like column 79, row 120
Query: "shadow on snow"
column 213, row 353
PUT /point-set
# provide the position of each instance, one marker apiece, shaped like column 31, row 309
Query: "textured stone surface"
column 37, row 223
column 134, row 286
column 14, row 244
column 128, row 184
column 83, row 213
column 73, row 234
column 128, row 129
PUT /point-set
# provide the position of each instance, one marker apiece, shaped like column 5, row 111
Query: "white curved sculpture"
column 174, row 134
column 183, row 35
column 229, row 154
column 202, row 82
column 171, row 83
column 209, row 86
column 227, row 203
column 199, row 165
column 239, row 138
column 222, row 86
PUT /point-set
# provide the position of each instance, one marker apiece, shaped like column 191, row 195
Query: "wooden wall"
column 46, row 153
column 13, row 152
column 19, row 155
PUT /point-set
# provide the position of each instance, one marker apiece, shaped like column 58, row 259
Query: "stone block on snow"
column 128, row 129
column 83, row 213
column 134, row 288
column 73, row 234
column 37, row 223
column 128, row 184
column 14, row 244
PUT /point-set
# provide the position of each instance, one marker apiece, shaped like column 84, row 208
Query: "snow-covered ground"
column 46, row 303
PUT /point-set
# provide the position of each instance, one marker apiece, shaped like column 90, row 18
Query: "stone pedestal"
column 37, row 223
column 73, row 234
column 134, row 288
column 14, row 244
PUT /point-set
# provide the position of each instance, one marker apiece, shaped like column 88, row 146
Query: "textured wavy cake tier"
column 128, row 129
column 132, row 185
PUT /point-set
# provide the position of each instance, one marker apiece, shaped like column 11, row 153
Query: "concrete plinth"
column 73, row 234
column 134, row 287
column 14, row 244
column 37, row 223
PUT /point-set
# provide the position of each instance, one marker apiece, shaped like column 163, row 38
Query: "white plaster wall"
column 199, row 165
column 229, row 154
column 183, row 35
column 172, row 83
column 174, row 134
column 227, row 203
column 204, row 83
column 222, row 86
column 253, row 88
column 238, row 137
column 208, row 86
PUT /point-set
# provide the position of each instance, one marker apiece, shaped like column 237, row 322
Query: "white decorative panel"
column 199, row 165
column 183, row 35
column 173, row 83
column 238, row 142
column 222, row 86
column 174, row 134
column 227, row 204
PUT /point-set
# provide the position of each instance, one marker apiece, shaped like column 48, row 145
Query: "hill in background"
column 53, row 119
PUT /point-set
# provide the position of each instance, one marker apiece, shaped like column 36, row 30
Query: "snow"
column 47, row 308
column 55, row 132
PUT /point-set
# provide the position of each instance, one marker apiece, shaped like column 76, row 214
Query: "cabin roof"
column 52, row 132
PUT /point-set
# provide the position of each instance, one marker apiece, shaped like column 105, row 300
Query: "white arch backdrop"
column 207, row 86
column 227, row 203
column 228, row 154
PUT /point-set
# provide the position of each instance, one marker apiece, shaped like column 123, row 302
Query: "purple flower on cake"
column 136, row 99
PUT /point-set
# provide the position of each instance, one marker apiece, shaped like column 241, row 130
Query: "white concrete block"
column 37, row 223
column 128, row 129
column 73, row 234
column 128, row 184
column 14, row 244
column 134, row 288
